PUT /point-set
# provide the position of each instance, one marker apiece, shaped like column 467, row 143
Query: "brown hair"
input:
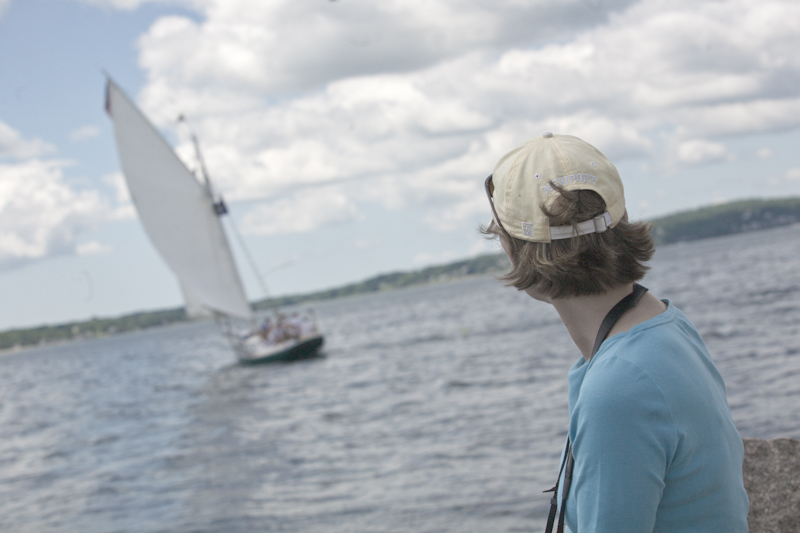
column 578, row 266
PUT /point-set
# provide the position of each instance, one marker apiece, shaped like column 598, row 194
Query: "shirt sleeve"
column 623, row 440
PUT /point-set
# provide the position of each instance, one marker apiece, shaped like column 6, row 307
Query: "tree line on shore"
column 703, row 223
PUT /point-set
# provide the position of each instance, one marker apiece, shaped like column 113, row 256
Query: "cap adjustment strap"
column 598, row 224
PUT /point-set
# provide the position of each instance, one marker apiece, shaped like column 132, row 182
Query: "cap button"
column 547, row 134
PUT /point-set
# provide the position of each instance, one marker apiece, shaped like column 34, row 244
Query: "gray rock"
column 771, row 473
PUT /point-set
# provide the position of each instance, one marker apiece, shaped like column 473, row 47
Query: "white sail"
column 194, row 306
column 177, row 211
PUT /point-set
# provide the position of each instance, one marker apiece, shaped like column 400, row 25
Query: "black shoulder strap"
column 568, row 462
column 617, row 311
column 551, row 518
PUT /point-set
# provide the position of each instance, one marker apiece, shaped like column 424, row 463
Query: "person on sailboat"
column 293, row 326
column 265, row 328
column 651, row 443
column 306, row 326
column 277, row 332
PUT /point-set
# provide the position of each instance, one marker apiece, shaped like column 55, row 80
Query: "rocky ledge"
column 771, row 472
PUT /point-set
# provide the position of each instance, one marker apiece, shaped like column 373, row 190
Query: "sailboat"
column 181, row 216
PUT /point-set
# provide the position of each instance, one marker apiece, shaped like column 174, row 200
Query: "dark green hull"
column 304, row 349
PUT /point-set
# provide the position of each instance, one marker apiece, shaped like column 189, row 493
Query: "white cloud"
column 412, row 102
column 764, row 153
column 743, row 117
column 364, row 244
column 699, row 151
column 85, row 132
column 13, row 145
column 121, row 193
column 793, row 174
column 124, row 208
column 299, row 213
column 130, row 5
column 40, row 215
column 285, row 47
column 92, row 248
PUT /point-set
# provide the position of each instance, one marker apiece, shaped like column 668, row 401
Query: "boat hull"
column 260, row 353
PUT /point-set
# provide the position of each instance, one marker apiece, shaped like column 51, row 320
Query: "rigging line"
column 250, row 259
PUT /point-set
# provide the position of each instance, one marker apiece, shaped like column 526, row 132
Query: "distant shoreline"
column 726, row 219
column 704, row 223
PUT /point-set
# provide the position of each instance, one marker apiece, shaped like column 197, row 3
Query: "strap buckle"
column 598, row 224
column 602, row 222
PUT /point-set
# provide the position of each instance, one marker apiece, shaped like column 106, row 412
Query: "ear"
column 625, row 216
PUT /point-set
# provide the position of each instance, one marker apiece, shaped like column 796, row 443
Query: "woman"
column 652, row 446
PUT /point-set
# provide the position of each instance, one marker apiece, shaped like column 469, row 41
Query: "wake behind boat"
column 182, row 217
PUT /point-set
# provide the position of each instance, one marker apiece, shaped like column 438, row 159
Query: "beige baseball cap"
column 523, row 181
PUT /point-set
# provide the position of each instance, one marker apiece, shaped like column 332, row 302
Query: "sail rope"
column 250, row 259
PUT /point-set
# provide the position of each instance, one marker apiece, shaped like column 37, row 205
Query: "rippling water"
column 439, row 408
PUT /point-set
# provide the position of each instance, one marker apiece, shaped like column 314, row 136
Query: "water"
column 438, row 408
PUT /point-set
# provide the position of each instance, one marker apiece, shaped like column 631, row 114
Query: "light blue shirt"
column 654, row 443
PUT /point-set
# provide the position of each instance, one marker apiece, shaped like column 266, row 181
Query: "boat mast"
column 221, row 209
column 202, row 162
column 216, row 199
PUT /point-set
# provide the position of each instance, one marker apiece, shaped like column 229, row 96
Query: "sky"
column 352, row 137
